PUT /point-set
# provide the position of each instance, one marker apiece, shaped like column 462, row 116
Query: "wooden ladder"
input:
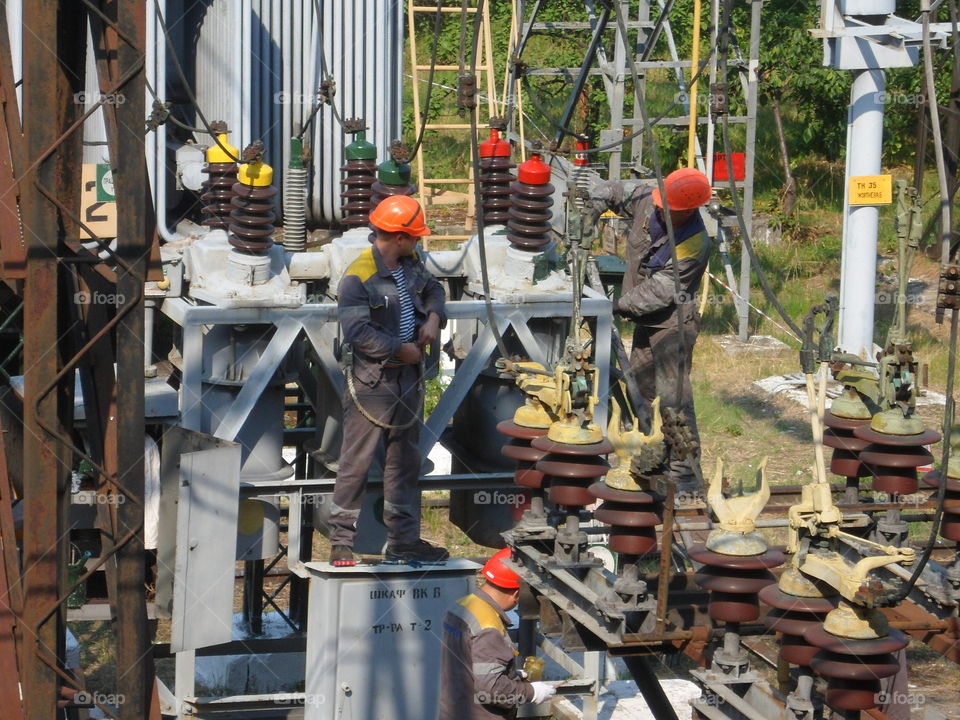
column 485, row 88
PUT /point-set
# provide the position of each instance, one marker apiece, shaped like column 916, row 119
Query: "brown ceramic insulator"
column 950, row 524
column 734, row 581
column 495, row 180
column 519, row 449
column 854, row 668
column 892, row 460
column 572, row 469
column 793, row 616
column 251, row 220
column 217, row 193
column 382, row 190
column 632, row 515
column 530, row 214
column 357, row 191
column 846, row 446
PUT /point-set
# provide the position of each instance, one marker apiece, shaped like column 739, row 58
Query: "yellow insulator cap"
column 217, row 154
column 257, row 174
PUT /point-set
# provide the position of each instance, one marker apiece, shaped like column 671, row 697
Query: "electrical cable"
column 433, row 67
column 186, row 86
column 665, row 215
column 478, row 199
column 946, row 231
column 325, row 100
column 722, row 43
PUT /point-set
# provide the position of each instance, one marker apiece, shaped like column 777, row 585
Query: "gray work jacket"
column 369, row 307
column 478, row 668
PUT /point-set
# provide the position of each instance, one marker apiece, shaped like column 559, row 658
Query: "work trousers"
column 394, row 400
column 660, row 364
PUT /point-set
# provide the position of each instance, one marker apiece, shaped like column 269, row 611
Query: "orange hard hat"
column 399, row 213
column 498, row 573
column 687, row 188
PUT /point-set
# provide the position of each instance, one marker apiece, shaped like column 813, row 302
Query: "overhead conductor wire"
column 945, row 234
column 433, row 66
column 475, row 159
column 328, row 99
column 667, row 219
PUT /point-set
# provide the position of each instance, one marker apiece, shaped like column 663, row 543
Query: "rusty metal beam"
column 11, row 601
column 52, row 50
column 13, row 249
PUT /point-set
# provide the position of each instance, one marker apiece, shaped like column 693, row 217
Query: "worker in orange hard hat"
column 390, row 309
column 479, row 677
column 666, row 318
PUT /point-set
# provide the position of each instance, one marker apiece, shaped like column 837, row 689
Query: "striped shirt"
column 408, row 320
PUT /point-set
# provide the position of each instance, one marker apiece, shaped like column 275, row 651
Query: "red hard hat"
column 498, row 573
column 399, row 213
column 687, row 188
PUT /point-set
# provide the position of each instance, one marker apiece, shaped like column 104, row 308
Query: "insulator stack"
column 581, row 173
column 734, row 582
column 251, row 220
column 571, row 469
column 495, row 179
column 361, row 173
column 854, row 667
column 520, row 449
column 295, row 200
column 221, row 172
column 950, row 525
column 632, row 515
column 893, row 459
column 846, row 446
column 393, row 178
column 794, row 613
column 531, row 197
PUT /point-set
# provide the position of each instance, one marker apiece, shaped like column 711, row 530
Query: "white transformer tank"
column 373, row 638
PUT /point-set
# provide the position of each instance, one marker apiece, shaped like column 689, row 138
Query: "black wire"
column 186, row 86
column 324, row 76
column 665, row 214
column 948, row 408
column 433, row 65
column 723, row 42
column 478, row 200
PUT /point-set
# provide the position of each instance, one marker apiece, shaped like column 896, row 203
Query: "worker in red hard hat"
column 479, row 677
column 390, row 309
column 667, row 321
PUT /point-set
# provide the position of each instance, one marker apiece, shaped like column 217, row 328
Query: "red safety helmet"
column 399, row 213
column 687, row 188
column 498, row 573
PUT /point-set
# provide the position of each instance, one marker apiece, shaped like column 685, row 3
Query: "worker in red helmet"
column 667, row 321
column 479, row 677
column 390, row 309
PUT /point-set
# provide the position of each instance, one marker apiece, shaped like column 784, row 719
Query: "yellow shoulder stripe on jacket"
column 691, row 247
column 364, row 267
column 481, row 610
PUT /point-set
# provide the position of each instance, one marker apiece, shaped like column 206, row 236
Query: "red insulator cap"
column 533, row 171
column 578, row 159
column 495, row 146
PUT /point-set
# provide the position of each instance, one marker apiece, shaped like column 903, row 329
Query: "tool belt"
column 346, row 364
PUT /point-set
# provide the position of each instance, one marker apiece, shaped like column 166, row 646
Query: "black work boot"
column 419, row 551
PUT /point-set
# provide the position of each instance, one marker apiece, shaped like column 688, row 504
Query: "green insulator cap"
column 390, row 172
column 361, row 149
column 296, row 153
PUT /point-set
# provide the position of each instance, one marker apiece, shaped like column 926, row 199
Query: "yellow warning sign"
column 871, row 189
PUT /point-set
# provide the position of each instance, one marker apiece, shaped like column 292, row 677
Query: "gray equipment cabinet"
column 373, row 638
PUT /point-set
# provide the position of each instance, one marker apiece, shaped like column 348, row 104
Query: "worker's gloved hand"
column 542, row 692
column 620, row 312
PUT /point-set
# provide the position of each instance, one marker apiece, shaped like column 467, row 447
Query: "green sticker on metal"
column 105, row 183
